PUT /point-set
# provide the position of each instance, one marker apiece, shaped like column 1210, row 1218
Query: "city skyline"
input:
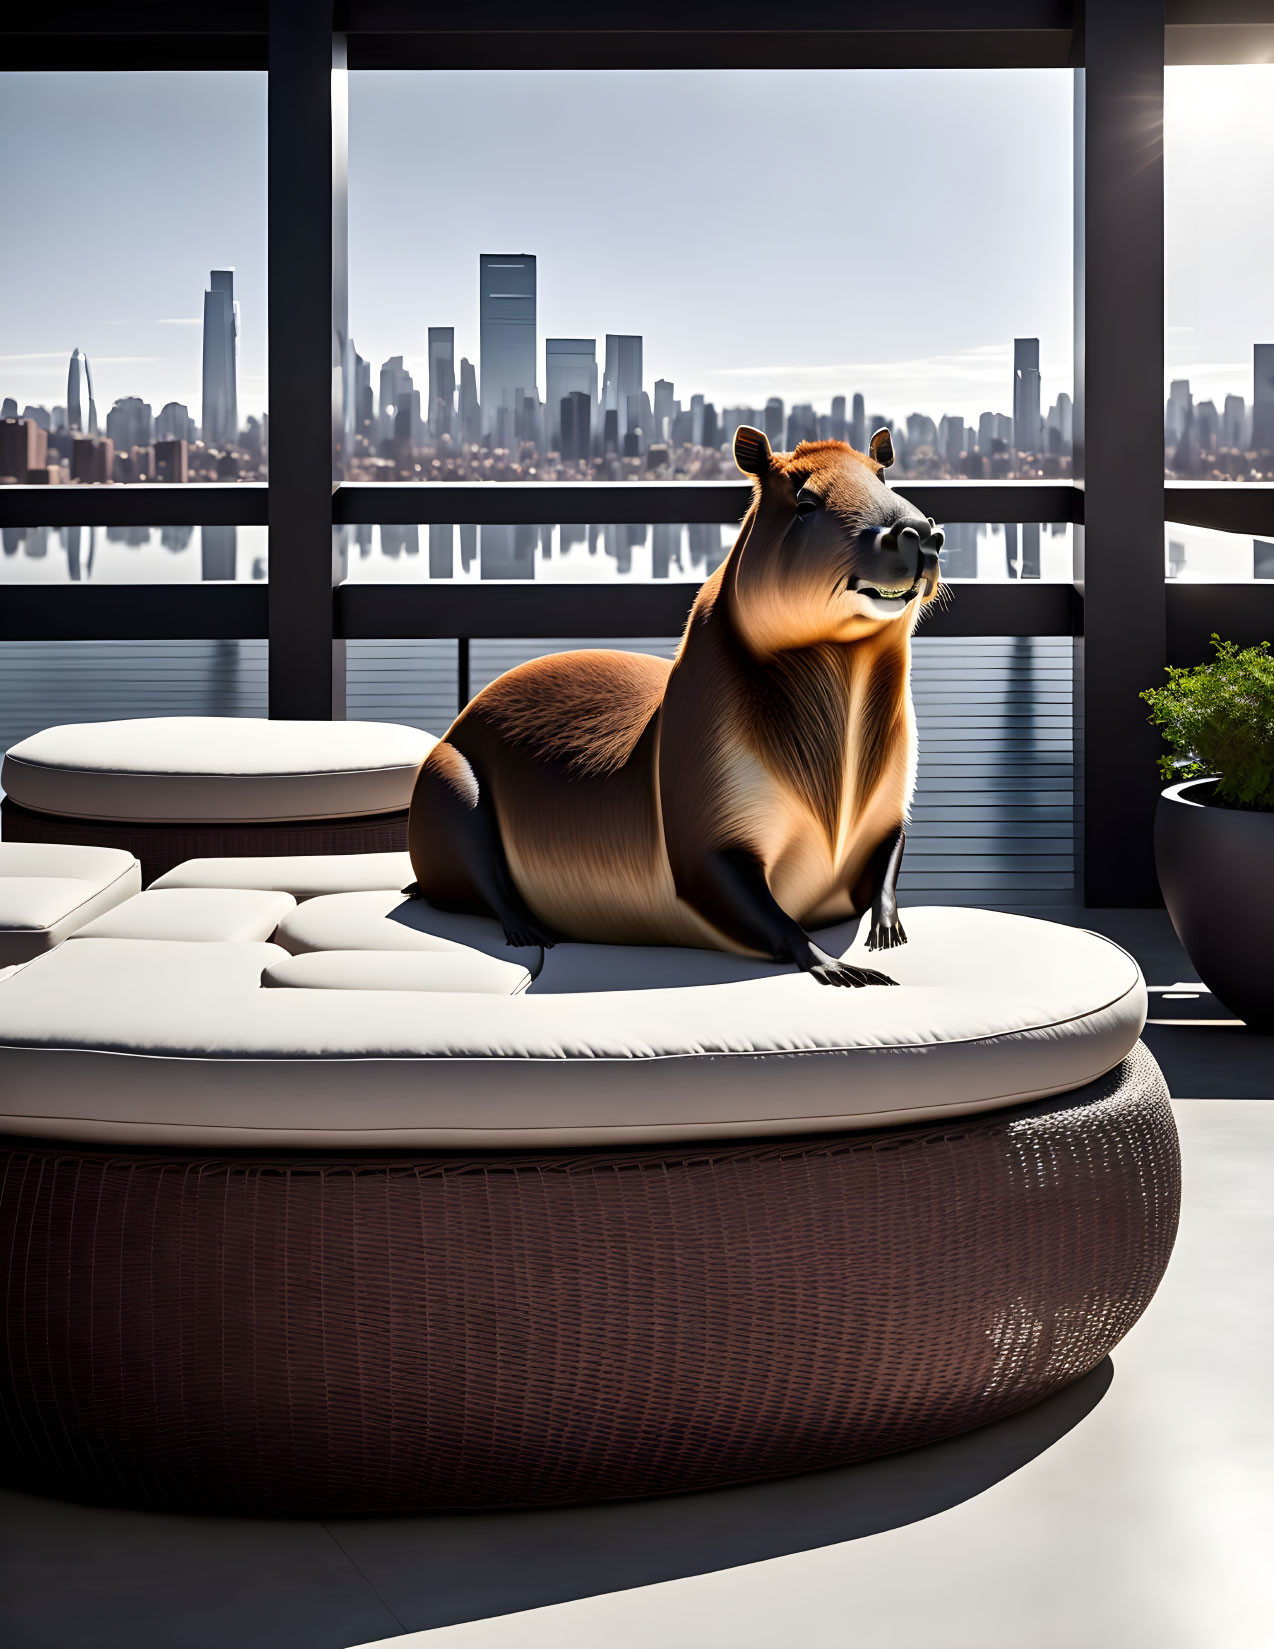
column 576, row 421
column 127, row 293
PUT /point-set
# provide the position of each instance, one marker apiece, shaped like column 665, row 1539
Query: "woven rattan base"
column 159, row 847
column 398, row 1334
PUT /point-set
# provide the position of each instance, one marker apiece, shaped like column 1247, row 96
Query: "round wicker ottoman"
column 172, row 788
column 318, row 1333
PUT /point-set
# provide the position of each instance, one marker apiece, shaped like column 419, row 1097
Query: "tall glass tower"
column 442, row 380
column 79, row 389
column 570, row 368
column 1026, row 395
column 1263, row 397
column 622, row 375
column 220, row 361
column 506, row 315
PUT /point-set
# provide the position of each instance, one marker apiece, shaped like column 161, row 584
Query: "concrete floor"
column 1136, row 1509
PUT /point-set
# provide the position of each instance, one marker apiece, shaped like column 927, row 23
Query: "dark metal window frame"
column 1125, row 620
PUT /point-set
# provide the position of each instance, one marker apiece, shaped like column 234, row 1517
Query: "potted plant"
column 1214, row 827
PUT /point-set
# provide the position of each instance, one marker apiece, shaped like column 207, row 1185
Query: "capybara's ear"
column 881, row 447
column 751, row 450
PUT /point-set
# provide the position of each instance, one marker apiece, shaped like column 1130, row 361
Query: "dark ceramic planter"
column 1216, row 871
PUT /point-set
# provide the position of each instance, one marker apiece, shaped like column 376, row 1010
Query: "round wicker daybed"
column 377, row 1216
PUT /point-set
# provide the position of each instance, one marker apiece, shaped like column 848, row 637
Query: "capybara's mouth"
column 892, row 592
column 885, row 592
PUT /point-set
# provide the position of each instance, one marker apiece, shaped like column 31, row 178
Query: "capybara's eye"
column 807, row 503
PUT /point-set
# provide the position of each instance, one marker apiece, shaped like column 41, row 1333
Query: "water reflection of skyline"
column 547, row 554
column 132, row 555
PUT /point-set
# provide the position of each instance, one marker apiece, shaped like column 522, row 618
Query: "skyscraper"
column 1263, row 397
column 1026, row 394
column 1234, row 423
column 858, row 425
column 174, row 423
column 442, row 380
column 79, row 388
column 506, row 318
column 1178, row 411
column 129, row 424
column 470, row 430
column 570, row 368
column 665, row 409
column 220, row 361
column 622, row 376
column 24, row 446
column 575, row 411
column 838, row 425
column 396, row 391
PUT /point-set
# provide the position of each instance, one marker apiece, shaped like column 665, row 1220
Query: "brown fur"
column 783, row 727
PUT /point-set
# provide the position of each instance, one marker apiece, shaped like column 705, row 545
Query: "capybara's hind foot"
column 524, row 934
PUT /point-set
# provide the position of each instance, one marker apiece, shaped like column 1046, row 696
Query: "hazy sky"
column 800, row 234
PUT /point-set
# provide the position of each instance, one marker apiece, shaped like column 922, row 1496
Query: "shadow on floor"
column 104, row 1579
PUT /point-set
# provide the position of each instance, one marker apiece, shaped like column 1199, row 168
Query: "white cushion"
column 47, row 891
column 388, row 921
column 163, row 1043
column 570, row 967
column 454, row 969
column 194, row 915
column 304, row 876
column 216, row 769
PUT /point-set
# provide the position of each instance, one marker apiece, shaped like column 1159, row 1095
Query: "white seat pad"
column 170, row 1043
column 200, row 915
column 216, row 769
column 304, row 876
column 386, row 920
column 454, row 969
column 47, row 891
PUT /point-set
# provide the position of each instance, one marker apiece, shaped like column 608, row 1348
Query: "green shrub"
column 1219, row 718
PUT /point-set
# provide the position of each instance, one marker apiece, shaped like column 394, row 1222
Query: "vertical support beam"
column 308, row 304
column 1119, row 557
column 462, row 673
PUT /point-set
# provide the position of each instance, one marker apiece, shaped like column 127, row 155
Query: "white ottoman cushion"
column 198, row 915
column 164, row 1043
column 398, row 970
column 388, row 921
column 48, row 891
column 216, row 769
column 304, row 876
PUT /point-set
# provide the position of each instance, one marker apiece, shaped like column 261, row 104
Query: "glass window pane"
column 1219, row 253
column 602, row 552
column 574, row 275
column 1197, row 554
column 134, row 347
column 132, row 555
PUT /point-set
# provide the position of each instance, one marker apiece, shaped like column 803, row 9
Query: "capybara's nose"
column 906, row 553
column 895, row 557
column 909, row 547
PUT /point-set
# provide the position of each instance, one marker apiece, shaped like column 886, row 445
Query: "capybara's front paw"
column 829, row 970
column 886, row 933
